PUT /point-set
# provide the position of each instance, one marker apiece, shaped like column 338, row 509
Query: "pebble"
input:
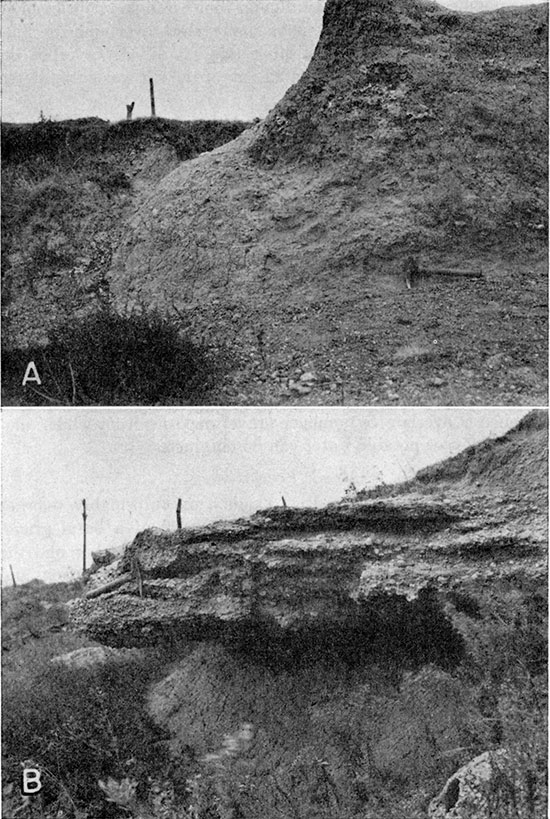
column 494, row 360
column 437, row 382
column 301, row 389
column 308, row 377
column 393, row 396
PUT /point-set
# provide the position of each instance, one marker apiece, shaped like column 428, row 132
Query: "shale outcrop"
column 443, row 537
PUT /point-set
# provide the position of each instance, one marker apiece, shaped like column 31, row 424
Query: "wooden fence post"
column 12, row 576
column 178, row 514
column 84, row 516
column 152, row 95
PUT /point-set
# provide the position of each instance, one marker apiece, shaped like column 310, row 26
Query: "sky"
column 210, row 59
column 131, row 465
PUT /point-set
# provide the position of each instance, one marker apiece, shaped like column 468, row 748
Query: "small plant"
column 124, row 795
column 224, row 780
column 113, row 180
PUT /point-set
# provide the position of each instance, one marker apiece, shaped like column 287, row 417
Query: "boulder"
column 490, row 785
column 103, row 557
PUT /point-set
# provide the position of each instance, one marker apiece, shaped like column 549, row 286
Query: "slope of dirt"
column 414, row 130
column 467, row 523
column 517, row 462
column 67, row 189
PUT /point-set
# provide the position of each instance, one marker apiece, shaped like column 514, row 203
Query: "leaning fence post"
column 178, row 514
column 84, row 516
column 12, row 576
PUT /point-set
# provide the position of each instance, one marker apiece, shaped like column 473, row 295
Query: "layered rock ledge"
column 291, row 570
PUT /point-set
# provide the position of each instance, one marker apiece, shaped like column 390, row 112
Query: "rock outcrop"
column 349, row 567
column 488, row 786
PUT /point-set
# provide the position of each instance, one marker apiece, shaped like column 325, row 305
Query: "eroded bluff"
column 419, row 548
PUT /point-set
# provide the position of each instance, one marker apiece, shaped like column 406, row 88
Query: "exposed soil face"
column 414, row 131
column 68, row 189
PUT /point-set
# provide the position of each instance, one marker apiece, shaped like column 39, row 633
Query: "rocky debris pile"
column 297, row 569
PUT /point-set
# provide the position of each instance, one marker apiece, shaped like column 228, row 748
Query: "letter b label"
column 31, row 781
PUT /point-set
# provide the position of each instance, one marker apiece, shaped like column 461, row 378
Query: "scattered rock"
column 413, row 352
column 103, row 557
column 494, row 361
column 301, row 389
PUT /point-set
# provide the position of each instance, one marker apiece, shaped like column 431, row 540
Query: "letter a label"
column 31, row 781
column 31, row 374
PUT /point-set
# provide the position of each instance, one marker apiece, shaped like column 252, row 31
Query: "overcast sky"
column 228, row 59
column 210, row 59
column 131, row 465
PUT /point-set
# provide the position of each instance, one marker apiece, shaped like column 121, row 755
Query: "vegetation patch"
column 107, row 358
column 77, row 726
column 207, row 732
column 68, row 138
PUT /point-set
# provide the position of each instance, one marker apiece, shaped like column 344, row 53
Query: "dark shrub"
column 106, row 358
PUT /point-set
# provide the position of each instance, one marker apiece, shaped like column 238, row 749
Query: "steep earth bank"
column 414, row 131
